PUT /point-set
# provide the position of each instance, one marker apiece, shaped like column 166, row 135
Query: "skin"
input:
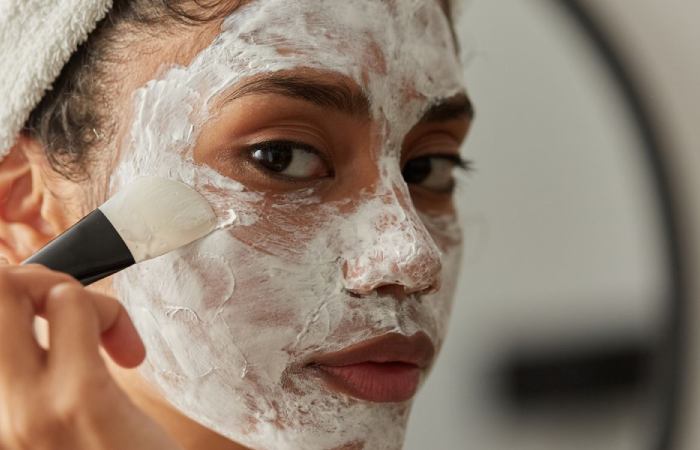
column 123, row 411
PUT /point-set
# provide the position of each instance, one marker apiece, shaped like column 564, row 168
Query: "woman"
column 325, row 135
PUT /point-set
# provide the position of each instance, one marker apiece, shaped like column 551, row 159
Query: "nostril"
column 431, row 289
column 393, row 290
column 352, row 293
column 397, row 291
column 418, row 276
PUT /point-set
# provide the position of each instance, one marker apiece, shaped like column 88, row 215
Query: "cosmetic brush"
column 148, row 218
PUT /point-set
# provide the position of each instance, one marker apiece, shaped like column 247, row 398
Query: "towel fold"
column 37, row 38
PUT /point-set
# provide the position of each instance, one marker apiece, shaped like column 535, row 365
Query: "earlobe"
column 23, row 229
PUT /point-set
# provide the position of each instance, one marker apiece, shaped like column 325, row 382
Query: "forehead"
column 401, row 47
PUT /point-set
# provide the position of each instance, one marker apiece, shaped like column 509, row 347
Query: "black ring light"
column 672, row 350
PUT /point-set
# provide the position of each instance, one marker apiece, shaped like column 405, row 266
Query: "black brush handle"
column 88, row 251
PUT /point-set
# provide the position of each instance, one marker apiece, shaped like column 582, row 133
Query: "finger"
column 123, row 342
column 21, row 357
column 23, row 291
column 77, row 319
column 22, row 354
column 74, row 328
column 120, row 338
column 36, row 281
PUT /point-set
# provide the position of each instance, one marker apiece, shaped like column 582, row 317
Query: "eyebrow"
column 340, row 96
column 450, row 108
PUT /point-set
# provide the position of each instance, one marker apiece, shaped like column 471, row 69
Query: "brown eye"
column 290, row 159
column 435, row 173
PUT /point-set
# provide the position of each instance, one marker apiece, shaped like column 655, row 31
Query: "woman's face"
column 324, row 133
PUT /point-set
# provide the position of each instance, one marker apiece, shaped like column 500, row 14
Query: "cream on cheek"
column 229, row 323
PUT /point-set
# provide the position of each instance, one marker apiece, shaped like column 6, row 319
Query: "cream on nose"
column 391, row 247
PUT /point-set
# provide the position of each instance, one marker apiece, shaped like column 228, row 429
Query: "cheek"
column 446, row 231
column 209, row 308
column 445, row 298
column 285, row 228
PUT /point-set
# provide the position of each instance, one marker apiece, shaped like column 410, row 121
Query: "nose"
column 392, row 253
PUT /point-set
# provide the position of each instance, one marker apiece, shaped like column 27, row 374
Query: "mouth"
column 386, row 369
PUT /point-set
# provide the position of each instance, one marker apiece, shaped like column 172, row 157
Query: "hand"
column 64, row 397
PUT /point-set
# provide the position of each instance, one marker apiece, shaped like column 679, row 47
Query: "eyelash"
column 465, row 165
column 268, row 145
column 457, row 160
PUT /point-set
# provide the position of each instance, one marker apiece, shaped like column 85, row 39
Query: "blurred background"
column 561, row 330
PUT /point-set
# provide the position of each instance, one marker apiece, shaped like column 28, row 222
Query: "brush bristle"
column 155, row 216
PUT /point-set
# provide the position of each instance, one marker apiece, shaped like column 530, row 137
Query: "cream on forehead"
column 207, row 313
column 401, row 49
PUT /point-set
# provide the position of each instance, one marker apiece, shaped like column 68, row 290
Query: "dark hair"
column 72, row 118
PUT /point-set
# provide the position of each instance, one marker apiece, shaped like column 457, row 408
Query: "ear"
column 25, row 222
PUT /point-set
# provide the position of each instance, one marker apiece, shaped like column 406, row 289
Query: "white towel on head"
column 37, row 38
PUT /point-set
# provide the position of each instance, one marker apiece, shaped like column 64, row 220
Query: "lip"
column 385, row 369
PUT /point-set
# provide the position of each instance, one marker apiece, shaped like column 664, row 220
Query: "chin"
column 317, row 419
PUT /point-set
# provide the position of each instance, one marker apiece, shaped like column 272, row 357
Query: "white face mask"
column 228, row 322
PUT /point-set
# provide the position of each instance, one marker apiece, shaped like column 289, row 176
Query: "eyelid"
column 430, row 135
column 251, row 147
column 297, row 144
column 459, row 162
